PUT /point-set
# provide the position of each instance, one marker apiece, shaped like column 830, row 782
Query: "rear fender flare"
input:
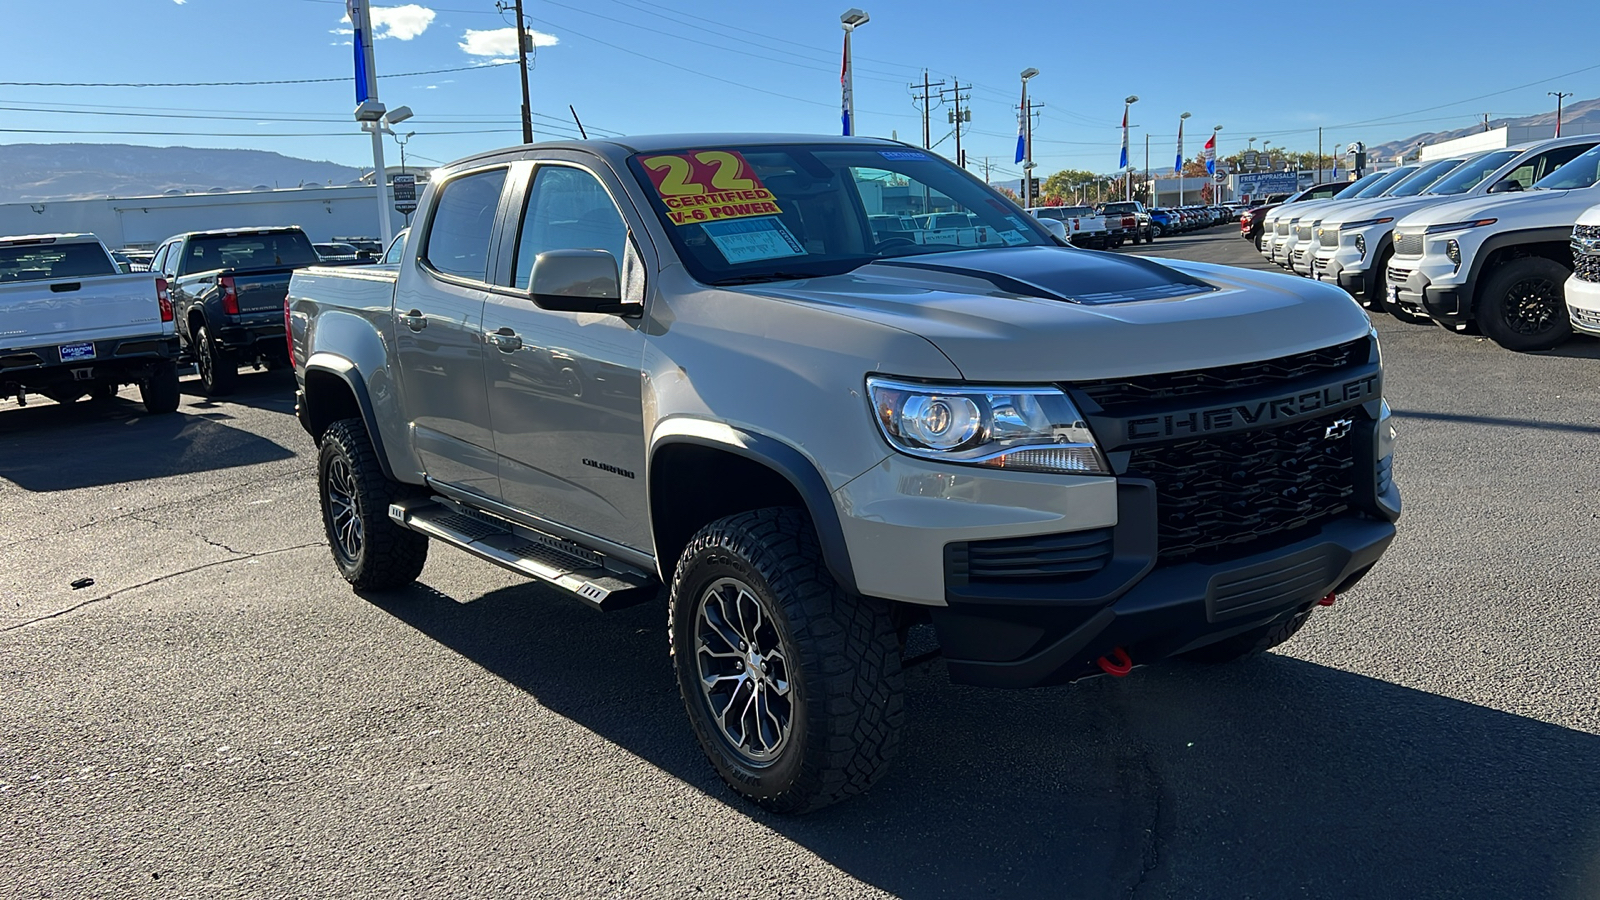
column 347, row 372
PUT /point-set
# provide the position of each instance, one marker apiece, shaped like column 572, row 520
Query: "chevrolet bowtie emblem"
column 1338, row 429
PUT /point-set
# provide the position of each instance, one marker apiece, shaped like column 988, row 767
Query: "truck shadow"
column 272, row 391
column 52, row 447
column 1274, row 778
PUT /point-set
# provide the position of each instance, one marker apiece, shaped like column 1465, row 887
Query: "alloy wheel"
column 343, row 517
column 743, row 671
column 1531, row 305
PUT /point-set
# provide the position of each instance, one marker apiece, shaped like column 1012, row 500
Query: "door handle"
column 414, row 320
column 507, row 340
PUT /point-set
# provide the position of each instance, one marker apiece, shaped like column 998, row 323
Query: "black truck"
column 227, row 290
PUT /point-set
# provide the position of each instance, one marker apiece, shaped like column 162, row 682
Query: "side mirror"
column 1056, row 229
column 584, row 281
column 1505, row 186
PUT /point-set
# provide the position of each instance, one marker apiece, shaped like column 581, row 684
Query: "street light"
column 1025, row 133
column 1178, row 169
column 850, row 20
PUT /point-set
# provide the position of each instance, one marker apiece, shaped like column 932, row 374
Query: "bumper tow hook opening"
column 1328, row 600
column 1119, row 663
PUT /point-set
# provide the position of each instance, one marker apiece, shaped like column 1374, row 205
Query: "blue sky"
column 717, row 65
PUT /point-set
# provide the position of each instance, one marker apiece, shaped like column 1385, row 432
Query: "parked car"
column 1287, row 216
column 1260, row 232
column 1357, row 241
column 818, row 442
column 337, row 253
column 138, row 260
column 1583, row 286
column 1163, row 221
column 1500, row 260
column 227, row 291
column 1085, row 227
column 72, row 325
column 1143, row 229
column 1307, row 228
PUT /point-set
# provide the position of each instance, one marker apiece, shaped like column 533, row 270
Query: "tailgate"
column 98, row 308
column 262, row 291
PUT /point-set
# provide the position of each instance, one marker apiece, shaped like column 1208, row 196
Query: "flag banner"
column 1123, row 164
column 1022, row 127
column 844, row 89
column 1177, row 167
column 359, row 20
column 1211, row 155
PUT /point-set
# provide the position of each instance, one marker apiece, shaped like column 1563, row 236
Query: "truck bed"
column 77, row 310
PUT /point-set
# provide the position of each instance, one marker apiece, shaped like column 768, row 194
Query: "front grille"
column 1304, row 232
column 1584, row 317
column 1116, row 394
column 1398, row 277
column 1407, row 244
column 1217, row 497
column 1282, row 228
column 1053, row 558
column 1299, row 257
column 1328, row 237
column 1319, row 265
column 1587, row 268
column 1589, row 232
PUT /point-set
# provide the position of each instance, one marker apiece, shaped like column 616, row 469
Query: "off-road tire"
column 1251, row 643
column 387, row 556
column 159, row 392
column 848, row 706
column 219, row 371
column 1511, row 294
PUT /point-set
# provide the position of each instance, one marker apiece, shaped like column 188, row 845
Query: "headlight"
column 1364, row 223
column 1386, row 432
column 1453, row 250
column 1025, row 429
column 1361, row 245
column 1458, row 226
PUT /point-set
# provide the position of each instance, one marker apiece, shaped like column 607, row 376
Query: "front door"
column 439, row 335
column 564, row 388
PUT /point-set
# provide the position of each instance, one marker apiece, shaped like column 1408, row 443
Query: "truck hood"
column 1378, row 208
column 1528, row 209
column 1039, row 314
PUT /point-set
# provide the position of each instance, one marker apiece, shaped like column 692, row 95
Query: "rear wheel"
column 372, row 552
column 159, row 391
column 219, row 371
column 792, row 685
column 1523, row 304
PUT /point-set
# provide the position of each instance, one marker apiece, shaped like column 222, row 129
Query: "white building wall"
column 146, row 221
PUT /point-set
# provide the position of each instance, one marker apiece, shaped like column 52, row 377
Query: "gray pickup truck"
column 689, row 361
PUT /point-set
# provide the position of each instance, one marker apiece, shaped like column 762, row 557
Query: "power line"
column 147, row 84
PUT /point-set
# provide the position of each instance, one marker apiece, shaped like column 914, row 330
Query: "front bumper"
column 1583, row 305
column 1417, row 284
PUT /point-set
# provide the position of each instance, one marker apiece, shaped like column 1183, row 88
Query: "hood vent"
column 1055, row 273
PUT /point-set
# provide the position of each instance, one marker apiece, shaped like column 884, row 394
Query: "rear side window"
column 47, row 262
column 463, row 224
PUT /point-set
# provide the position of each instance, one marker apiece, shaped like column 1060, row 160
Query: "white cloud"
column 403, row 22
column 501, row 42
column 180, row 2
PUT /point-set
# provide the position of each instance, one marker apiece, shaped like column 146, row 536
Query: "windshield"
column 1471, row 173
column 1580, row 173
column 1421, row 179
column 772, row 212
column 1388, row 180
column 262, row 250
column 1357, row 186
column 43, row 262
column 1122, row 207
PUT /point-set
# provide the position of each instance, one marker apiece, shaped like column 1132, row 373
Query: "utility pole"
column 1147, row 167
column 1319, row 153
column 1559, row 95
column 961, row 158
column 926, row 88
column 522, row 63
column 1485, row 121
column 958, row 117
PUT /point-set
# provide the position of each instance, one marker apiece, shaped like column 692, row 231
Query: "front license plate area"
column 75, row 352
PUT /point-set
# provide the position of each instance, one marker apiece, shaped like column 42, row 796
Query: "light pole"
column 1025, row 133
column 1179, row 166
column 1250, row 149
column 1216, row 195
column 1266, row 150
column 851, row 19
column 1127, row 104
column 1559, row 95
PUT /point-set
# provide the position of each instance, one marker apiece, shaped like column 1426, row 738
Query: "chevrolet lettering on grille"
column 1252, row 414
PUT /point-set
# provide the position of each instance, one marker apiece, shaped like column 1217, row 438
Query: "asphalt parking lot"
column 218, row 715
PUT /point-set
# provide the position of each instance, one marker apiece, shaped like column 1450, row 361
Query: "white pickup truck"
column 71, row 325
column 1085, row 227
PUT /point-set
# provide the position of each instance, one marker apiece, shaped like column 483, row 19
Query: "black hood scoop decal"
column 1055, row 273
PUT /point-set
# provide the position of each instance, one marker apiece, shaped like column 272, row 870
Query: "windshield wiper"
column 757, row 278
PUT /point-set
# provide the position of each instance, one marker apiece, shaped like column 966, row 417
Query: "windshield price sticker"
column 709, row 186
column 753, row 240
column 1013, row 238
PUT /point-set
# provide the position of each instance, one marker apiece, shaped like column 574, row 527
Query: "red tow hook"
column 1122, row 665
column 1328, row 600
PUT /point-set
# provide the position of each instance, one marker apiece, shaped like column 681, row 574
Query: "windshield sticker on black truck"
column 753, row 240
column 709, row 186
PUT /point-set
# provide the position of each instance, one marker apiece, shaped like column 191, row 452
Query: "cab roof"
column 627, row 145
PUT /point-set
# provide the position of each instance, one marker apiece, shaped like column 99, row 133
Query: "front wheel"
column 793, row 686
column 372, row 552
column 1523, row 305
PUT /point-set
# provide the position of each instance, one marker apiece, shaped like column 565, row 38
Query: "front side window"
column 769, row 212
column 463, row 225
column 568, row 209
column 1581, row 172
column 1547, row 163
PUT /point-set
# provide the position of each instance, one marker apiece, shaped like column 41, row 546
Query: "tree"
column 1062, row 187
column 1010, row 194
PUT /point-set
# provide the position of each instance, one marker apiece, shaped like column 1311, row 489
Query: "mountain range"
column 1582, row 117
column 30, row 172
